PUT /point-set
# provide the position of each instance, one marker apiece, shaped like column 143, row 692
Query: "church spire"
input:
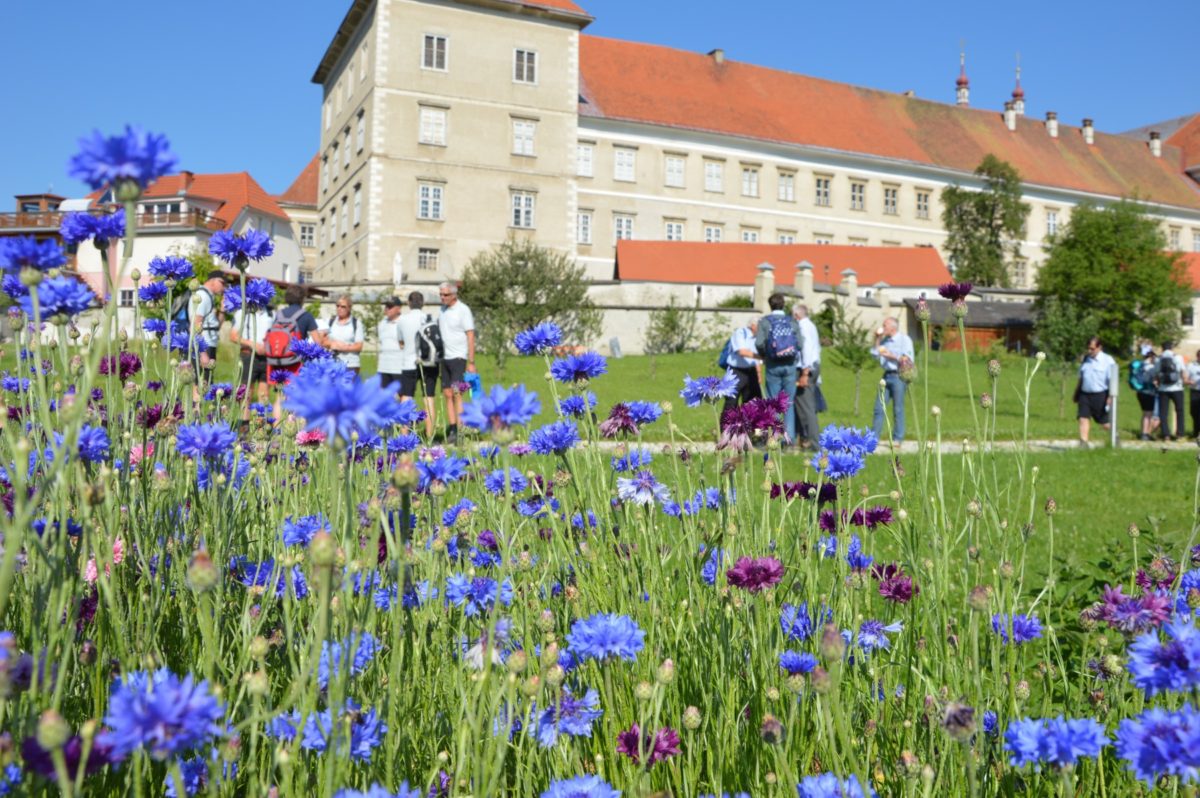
column 1018, row 95
column 962, row 93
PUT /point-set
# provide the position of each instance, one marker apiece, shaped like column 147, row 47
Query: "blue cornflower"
column 796, row 662
column 606, row 635
column 418, row 594
column 577, row 520
column 578, row 405
column 477, row 595
column 155, row 327
column 135, row 156
column 637, row 458
column 1021, row 629
column 59, row 296
column 401, row 444
column 452, row 514
column 93, row 444
column 79, row 227
column 1187, row 583
column 1055, row 741
column 554, row 438
column 238, row 250
column 161, row 712
column 308, row 350
column 873, row 634
column 233, row 467
column 798, row 624
column 494, row 482
column 379, row 791
column 827, row 785
column 539, row 339
column 171, row 267
column 15, row 384
column 1167, row 665
column 259, row 295
column 577, row 368
column 581, row 787
column 837, row 465
column 712, row 566
column 152, row 292
column 1161, row 743
column 223, row 388
column 991, row 723
column 299, row 532
column 501, row 408
column 440, row 472
column 12, row 286
column 74, row 528
column 26, row 252
column 366, row 732
column 180, row 341
column 208, row 441
column 642, row 488
column 354, row 654
column 848, row 439
column 644, row 412
column 571, row 716
column 341, row 408
column 855, row 557
column 708, row 389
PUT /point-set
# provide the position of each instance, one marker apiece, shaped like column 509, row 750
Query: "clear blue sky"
column 228, row 80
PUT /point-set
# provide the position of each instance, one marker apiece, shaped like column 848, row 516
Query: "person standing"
column 291, row 321
column 412, row 372
column 1141, row 379
column 1096, row 389
column 743, row 365
column 808, row 373
column 457, row 325
column 344, row 335
column 206, row 325
column 390, row 345
column 249, row 332
column 892, row 347
column 1168, row 378
column 778, row 341
column 1191, row 375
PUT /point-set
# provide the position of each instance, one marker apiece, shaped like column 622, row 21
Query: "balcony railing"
column 52, row 220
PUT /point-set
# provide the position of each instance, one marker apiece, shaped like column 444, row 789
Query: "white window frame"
column 751, row 236
column 333, row 227
column 1051, row 221
column 1195, row 240
column 358, row 205
column 583, row 227
column 787, row 186
column 126, row 298
column 787, row 238
column 523, row 210
column 822, row 191
column 362, row 64
column 1175, row 238
column 333, row 162
column 308, row 234
column 923, row 202
column 823, row 239
column 431, row 64
column 361, row 130
column 325, row 173
column 749, row 181
column 523, row 132
column 673, row 230
column 345, row 216
column 525, row 64
column 858, row 195
column 624, row 164
column 622, row 227
column 431, row 201
column 428, row 259
column 714, row 177
column 891, row 200
column 346, row 148
column 674, row 171
column 585, row 159
column 713, row 233
column 432, row 126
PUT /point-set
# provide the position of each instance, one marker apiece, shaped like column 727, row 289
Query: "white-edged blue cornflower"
column 501, row 408
column 578, row 368
column 708, row 389
column 1053, row 741
column 605, row 636
column 538, row 339
column 554, row 438
column 477, row 595
column 642, row 488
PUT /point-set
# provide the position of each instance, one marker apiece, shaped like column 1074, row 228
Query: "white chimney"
column 1052, row 124
column 1010, row 116
column 1089, row 132
column 718, row 55
column 1155, row 144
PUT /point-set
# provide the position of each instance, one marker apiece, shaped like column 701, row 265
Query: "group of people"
column 1160, row 379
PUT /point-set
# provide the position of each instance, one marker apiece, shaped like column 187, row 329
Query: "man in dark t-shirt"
column 279, row 370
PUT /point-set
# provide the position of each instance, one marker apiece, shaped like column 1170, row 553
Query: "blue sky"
column 228, row 81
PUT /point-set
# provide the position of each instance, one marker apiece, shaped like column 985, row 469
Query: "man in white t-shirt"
column 458, row 339
column 344, row 335
column 250, row 332
column 412, row 373
column 391, row 355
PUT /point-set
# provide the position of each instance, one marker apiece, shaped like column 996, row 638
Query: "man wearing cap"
column 391, row 350
column 206, row 324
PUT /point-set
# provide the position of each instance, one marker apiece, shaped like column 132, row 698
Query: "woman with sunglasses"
column 343, row 335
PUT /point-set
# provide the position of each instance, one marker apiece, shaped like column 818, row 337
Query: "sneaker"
column 1144, row 437
column 1084, row 445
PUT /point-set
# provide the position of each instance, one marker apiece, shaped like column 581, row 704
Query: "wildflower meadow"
column 326, row 604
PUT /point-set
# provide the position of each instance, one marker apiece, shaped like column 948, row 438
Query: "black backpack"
column 430, row 348
column 1167, row 371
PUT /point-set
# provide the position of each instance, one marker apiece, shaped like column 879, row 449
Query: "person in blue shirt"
column 1097, row 387
column 744, row 364
column 891, row 348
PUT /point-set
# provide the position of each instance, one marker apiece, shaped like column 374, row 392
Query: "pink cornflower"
column 664, row 745
column 755, row 574
column 310, row 438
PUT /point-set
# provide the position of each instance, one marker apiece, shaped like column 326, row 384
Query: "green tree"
column 1062, row 330
column 671, row 330
column 985, row 227
column 1111, row 264
column 850, row 344
column 519, row 284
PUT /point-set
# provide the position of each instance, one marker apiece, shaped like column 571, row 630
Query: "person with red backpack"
column 291, row 322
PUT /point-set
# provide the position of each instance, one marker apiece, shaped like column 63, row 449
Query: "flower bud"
column 531, row 686
column 666, row 672
column 771, row 730
column 644, row 691
column 517, row 661
column 1041, row 356
column 935, row 411
column 555, row 675
column 1022, row 690
column 322, row 549
column 202, row 573
column 993, row 368
column 87, row 653
column 980, row 598
column 691, row 718
column 985, row 400
column 259, row 648
column 959, row 721
column 53, row 731
column 257, row 683
column 822, row 682
column 1051, row 505
column 833, row 645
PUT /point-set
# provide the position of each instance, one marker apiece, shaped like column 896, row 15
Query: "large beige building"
column 448, row 125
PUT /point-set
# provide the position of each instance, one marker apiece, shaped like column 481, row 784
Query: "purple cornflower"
column 894, row 584
column 1020, row 629
column 239, row 250
column 578, row 368
column 642, row 488
column 755, row 574
column 554, row 438
column 539, row 339
column 604, row 636
column 955, row 292
column 161, row 712
column 133, row 157
column 663, row 745
column 876, row 516
column 1171, row 665
column 501, row 408
column 619, row 421
column 99, row 228
column 58, row 296
column 708, row 389
column 124, row 365
column 1055, row 741
column 171, row 267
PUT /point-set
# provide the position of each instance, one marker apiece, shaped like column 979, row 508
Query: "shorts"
column 1093, row 406
column 281, row 375
column 453, row 372
column 426, row 375
column 388, row 379
column 259, row 372
column 1148, row 402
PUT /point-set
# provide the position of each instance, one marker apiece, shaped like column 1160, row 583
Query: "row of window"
column 345, row 87
column 329, row 161
column 1175, row 239
column 435, row 55
column 330, row 225
column 714, row 232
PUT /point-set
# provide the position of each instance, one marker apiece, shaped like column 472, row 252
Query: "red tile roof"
column 737, row 263
column 233, row 191
column 672, row 88
column 303, row 190
column 1191, row 267
column 1187, row 139
column 559, row 5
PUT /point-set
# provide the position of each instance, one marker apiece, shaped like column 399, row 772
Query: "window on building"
column 583, row 227
column 332, row 228
column 427, row 259
column 674, row 231
column 308, row 235
column 326, row 113
column 749, row 181
column 126, row 298
column 890, row 244
column 1174, row 238
column 788, row 237
column 433, row 126
column 858, row 197
column 433, row 56
column 714, row 176
column 891, row 200
column 822, row 196
column 1051, row 222
column 523, row 206
column 523, row 130
column 713, row 233
column 430, row 200
column 622, row 226
column 304, row 276
column 624, row 164
column 922, row 204
column 1187, row 317
column 857, row 241
column 346, row 149
column 357, row 204
column 822, row 238
column 674, row 166
column 787, row 186
column 1196, row 241
column 585, row 160
column 333, row 162
column 325, row 173
column 525, row 66
column 749, row 236
column 362, row 64
column 362, row 130
column 345, row 216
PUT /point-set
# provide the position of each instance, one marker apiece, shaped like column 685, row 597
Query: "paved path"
column 953, row 446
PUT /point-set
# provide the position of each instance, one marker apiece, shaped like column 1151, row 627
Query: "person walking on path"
column 778, row 341
column 1168, row 378
column 1141, row 379
column 391, row 353
column 1096, row 389
column 412, row 372
column 457, row 326
column 344, row 335
column 808, row 373
column 891, row 348
column 744, row 366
